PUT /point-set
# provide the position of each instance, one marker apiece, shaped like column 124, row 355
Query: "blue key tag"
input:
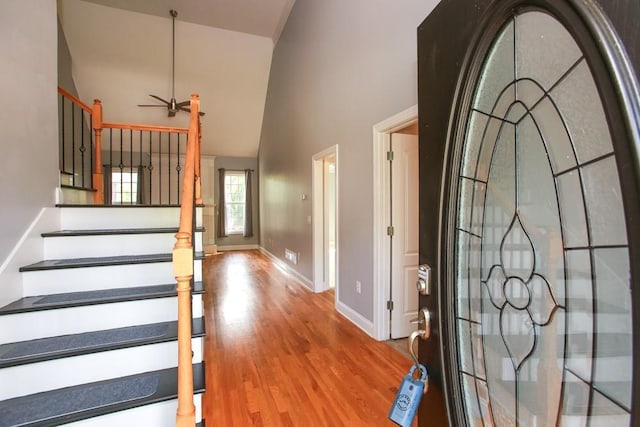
column 408, row 398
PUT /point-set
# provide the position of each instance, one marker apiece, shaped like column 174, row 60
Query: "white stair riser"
column 118, row 217
column 111, row 245
column 45, row 282
column 73, row 196
column 161, row 414
column 53, row 374
column 73, row 320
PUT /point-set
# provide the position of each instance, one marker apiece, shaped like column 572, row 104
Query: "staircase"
column 93, row 341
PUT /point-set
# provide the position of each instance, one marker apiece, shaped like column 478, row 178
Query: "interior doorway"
column 324, row 220
column 395, row 219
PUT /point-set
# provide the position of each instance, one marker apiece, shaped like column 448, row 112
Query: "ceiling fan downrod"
column 174, row 14
column 173, row 106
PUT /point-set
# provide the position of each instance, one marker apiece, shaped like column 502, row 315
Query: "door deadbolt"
column 424, row 280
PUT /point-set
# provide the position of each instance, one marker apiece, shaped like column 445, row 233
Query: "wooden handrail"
column 183, row 272
column 74, row 99
column 151, row 128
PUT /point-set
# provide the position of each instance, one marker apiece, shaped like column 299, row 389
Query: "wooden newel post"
column 183, row 272
column 98, row 179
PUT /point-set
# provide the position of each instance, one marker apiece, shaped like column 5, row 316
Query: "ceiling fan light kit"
column 173, row 106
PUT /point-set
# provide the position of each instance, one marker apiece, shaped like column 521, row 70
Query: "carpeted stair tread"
column 113, row 231
column 75, row 403
column 76, row 299
column 55, row 264
column 19, row 353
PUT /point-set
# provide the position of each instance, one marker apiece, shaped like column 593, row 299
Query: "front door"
column 530, row 212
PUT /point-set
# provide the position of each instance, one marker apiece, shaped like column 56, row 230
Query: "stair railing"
column 183, row 255
column 90, row 148
column 75, row 147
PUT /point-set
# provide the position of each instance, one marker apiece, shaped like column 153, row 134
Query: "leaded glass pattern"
column 542, row 295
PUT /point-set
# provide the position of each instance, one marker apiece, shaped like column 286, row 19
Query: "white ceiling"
column 258, row 17
column 121, row 56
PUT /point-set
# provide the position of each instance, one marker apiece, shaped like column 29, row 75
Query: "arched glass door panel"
column 542, row 271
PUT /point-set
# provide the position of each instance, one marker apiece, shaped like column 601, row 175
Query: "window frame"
column 229, row 203
column 131, row 184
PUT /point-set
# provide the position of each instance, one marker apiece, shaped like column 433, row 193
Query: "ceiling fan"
column 173, row 106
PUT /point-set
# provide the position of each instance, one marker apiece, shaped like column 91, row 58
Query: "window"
column 234, row 193
column 124, row 186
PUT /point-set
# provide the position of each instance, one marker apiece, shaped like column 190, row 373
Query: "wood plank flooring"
column 277, row 354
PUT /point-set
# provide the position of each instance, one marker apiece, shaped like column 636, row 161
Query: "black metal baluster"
column 73, row 144
column 121, row 165
column 160, row 166
column 140, row 171
column 169, row 167
column 110, row 177
column 91, row 166
column 132, row 201
column 62, row 139
column 82, row 148
column 178, row 169
column 150, row 170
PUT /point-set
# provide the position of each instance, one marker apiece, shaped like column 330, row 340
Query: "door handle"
column 423, row 331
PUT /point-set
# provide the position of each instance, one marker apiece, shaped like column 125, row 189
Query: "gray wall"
column 240, row 163
column 65, row 77
column 339, row 68
column 28, row 115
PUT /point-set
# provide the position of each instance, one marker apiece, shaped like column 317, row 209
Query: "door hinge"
column 390, row 305
column 390, row 230
column 390, row 156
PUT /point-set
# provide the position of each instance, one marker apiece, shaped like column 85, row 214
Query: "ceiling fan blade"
column 188, row 110
column 183, row 103
column 152, row 105
column 171, row 113
column 160, row 99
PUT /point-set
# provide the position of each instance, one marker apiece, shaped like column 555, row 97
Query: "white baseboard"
column 356, row 318
column 237, row 248
column 353, row 316
column 284, row 266
column 29, row 249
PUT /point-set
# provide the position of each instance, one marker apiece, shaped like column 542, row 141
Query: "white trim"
column 350, row 314
column 237, row 247
column 29, row 249
column 381, row 255
column 304, row 281
column 356, row 318
column 317, row 216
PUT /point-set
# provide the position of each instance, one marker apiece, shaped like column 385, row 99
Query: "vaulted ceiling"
column 121, row 53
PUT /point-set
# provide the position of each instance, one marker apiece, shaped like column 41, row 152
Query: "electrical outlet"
column 358, row 287
column 291, row 256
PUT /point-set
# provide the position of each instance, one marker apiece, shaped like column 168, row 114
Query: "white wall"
column 339, row 68
column 28, row 116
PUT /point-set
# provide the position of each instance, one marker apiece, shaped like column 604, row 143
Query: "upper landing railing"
column 121, row 163
column 175, row 154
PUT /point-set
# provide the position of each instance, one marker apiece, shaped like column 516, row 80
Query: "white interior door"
column 329, row 179
column 404, row 242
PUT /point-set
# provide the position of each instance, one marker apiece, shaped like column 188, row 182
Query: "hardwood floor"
column 277, row 354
